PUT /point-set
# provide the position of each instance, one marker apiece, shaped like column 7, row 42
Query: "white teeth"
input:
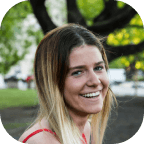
column 91, row 94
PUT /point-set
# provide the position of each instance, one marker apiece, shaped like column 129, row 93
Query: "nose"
column 93, row 79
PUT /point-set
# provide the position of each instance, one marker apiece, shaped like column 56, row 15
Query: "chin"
column 95, row 110
column 99, row 109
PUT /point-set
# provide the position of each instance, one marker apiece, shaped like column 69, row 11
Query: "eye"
column 98, row 68
column 76, row 73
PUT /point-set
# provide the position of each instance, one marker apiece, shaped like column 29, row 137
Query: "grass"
column 15, row 125
column 17, row 98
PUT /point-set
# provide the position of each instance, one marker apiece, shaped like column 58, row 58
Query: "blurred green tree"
column 133, row 34
column 15, row 39
column 13, row 47
column 117, row 22
column 104, row 17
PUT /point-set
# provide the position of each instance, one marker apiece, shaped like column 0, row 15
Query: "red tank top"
column 40, row 130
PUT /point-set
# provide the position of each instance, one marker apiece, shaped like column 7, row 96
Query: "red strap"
column 40, row 130
column 37, row 131
column 83, row 135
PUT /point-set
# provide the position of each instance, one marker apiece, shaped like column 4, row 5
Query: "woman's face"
column 87, row 82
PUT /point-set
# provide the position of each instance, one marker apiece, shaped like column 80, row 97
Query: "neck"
column 80, row 119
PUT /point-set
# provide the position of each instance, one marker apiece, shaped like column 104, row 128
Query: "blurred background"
column 23, row 27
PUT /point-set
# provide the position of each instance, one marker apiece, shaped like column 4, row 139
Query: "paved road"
column 124, row 122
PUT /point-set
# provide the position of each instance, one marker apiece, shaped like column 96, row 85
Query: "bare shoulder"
column 42, row 137
column 28, row 132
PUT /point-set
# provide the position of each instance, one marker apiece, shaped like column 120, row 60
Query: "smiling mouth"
column 91, row 95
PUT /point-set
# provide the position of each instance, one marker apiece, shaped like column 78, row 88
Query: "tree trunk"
column 130, row 71
column 110, row 19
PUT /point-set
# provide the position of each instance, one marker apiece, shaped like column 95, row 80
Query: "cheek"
column 105, row 82
column 105, row 79
column 69, row 87
column 73, row 88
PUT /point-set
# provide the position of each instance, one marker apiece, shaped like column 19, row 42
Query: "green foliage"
column 37, row 35
column 132, row 34
column 17, row 98
column 57, row 11
column 120, row 4
column 129, row 35
column 140, row 78
column 90, row 9
column 125, row 61
column 12, row 19
column 117, row 64
column 13, row 49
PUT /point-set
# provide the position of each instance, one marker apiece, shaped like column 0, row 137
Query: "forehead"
column 84, row 55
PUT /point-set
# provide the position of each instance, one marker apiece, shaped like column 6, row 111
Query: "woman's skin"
column 87, row 74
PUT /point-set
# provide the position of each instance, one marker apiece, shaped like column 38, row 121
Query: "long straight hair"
column 51, row 66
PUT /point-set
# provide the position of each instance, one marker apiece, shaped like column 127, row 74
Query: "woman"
column 73, row 88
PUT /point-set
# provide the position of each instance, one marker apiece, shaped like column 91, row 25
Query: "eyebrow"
column 83, row 66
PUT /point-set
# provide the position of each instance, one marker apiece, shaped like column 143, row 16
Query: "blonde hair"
column 50, row 70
